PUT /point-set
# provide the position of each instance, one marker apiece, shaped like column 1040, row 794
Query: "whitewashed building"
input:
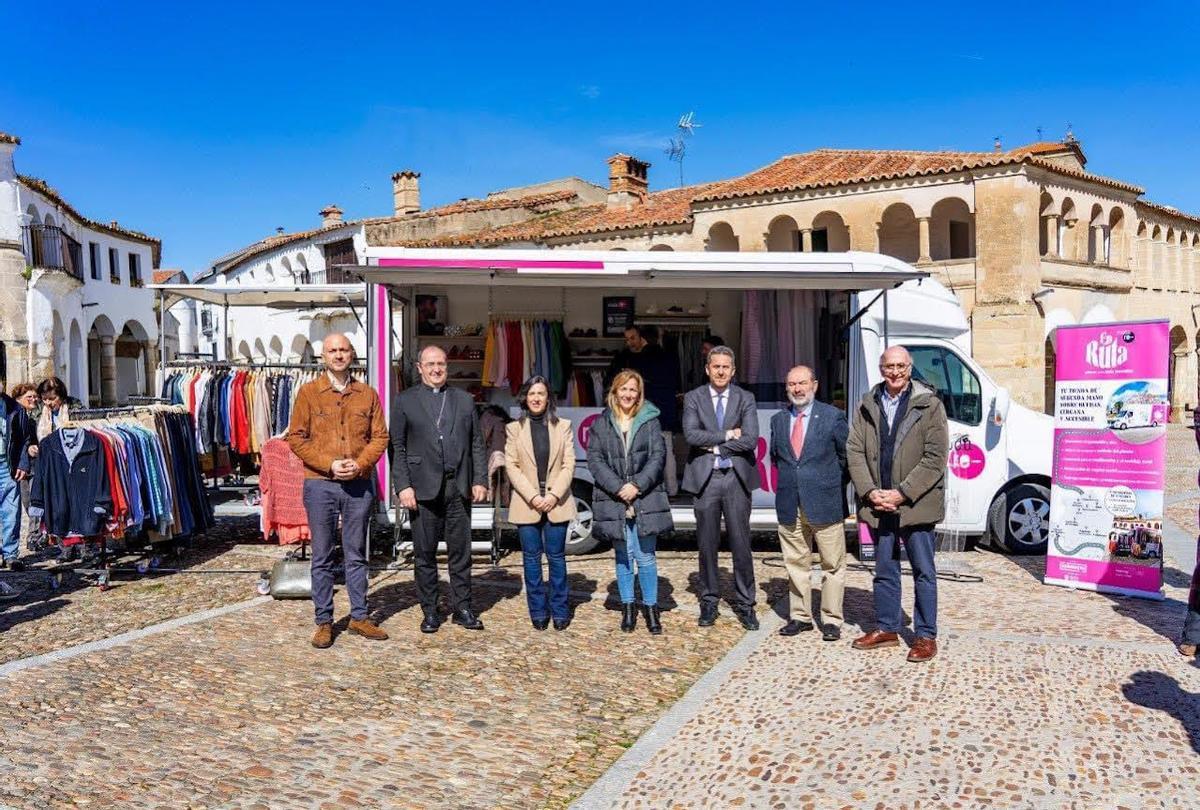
column 72, row 297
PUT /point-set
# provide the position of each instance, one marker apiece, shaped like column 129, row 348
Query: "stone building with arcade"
column 73, row 301
column 1027, row 238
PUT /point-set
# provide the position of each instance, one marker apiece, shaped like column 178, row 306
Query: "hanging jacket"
column 71, row 497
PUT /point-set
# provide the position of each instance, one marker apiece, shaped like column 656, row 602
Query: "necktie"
column 723, row 463
column 798, row 435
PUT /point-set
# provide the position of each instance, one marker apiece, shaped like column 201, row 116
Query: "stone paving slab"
column 1011, row 724
column 242, row 712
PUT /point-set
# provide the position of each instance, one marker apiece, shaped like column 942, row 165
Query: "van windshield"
column 956, row 384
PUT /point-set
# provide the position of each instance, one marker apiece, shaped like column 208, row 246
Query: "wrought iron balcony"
column 48, row 248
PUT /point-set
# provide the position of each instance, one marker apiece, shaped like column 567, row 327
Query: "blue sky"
column 208, row 125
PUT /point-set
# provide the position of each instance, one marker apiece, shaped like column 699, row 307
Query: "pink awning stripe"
column 501, row 264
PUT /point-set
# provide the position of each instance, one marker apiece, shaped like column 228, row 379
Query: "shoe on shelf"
column 454, row 353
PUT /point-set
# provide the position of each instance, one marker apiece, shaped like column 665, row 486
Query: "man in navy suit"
column 808, row 446
column 720, row 423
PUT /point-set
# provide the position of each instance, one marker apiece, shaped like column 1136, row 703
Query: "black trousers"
column 446, row 517
column 725, row 495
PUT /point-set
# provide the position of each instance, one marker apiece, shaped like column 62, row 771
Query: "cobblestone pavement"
column 1040, row 697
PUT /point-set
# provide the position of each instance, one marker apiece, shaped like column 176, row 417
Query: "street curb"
column 616, row 780
column 124, row 638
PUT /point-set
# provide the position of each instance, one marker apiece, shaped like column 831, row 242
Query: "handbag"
column 291, row 579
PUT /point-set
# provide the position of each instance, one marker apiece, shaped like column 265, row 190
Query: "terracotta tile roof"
column 242, row 255
column 6, row 138
column 163, row 276
column 1167, row 211
column 49, row 192
column 659, row 209
column 834, row 167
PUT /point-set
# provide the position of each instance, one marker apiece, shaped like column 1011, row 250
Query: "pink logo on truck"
column 967, row 459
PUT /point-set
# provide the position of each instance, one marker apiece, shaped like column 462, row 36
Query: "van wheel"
column 579, row 530
column 1019, row 519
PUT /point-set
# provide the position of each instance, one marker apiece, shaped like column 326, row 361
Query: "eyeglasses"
column 895, row 367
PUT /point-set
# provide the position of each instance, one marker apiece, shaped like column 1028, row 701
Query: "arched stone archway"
column 243, row 352
column 1097, row 236
column 135, row 371
column 783, row 234
column 951, row 230
column 275, row 348
column 829, row 233
column 1050, row 375
column 1181, row 391
column 58, row 347
column 102, row 362
column 1066, row 229
column 898, row 233
column 721, row 237
column 285, row 270
column 260, row 351
column 77, row 380
column 1116, row 249
column 302, row 269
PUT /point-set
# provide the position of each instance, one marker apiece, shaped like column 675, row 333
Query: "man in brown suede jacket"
column 338, row 431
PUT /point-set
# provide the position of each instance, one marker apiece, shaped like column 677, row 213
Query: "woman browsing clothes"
column 539, row 460
column 626, row 456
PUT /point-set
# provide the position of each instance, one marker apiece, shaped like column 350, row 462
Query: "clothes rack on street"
column 121, row 473
column 237, row 407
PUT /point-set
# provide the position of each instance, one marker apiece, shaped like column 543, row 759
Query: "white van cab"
column 998, row 469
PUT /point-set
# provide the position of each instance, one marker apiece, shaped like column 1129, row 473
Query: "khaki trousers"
column 796, row 541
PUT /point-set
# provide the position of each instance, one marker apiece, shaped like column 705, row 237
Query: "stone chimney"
column 627, row 183
column 406, row 192
column 331, row 216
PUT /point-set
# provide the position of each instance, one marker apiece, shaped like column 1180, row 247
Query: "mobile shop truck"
column 1126, row 415
column 857, row 304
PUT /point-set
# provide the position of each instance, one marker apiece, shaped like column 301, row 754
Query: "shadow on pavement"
column 1157, row 690
column 666, row 595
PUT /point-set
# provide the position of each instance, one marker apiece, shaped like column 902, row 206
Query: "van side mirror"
column 1000, row 405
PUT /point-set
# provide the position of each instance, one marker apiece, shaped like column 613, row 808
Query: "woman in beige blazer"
column 539, row 460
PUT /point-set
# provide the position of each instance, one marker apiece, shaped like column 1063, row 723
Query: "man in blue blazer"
column 808, row 446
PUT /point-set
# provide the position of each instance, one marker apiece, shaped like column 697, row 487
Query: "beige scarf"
column 44, row 428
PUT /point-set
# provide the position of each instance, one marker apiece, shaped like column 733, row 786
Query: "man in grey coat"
column 720, row 423
column 896, row 453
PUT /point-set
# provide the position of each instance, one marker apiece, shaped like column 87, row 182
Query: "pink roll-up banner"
column 1111, row 407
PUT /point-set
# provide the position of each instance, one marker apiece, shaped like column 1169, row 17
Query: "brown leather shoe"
column 367, row 629
column 323, row 638
column 875, row 639
column 922, row 650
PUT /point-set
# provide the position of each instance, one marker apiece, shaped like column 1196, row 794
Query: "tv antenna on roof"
column 677, row 145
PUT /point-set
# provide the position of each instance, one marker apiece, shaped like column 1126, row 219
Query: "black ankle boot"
column 650, row 612
column 628, row 617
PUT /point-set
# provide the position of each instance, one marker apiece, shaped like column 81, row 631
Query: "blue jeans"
column 325, row 501
column 919, row 543
column 550, row 539
column 647, row 567
column 10, row 512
